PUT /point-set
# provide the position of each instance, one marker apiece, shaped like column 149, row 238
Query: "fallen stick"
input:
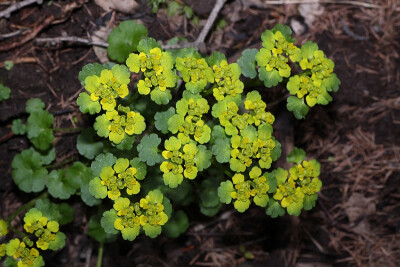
column 17, row 6
column 73, row 39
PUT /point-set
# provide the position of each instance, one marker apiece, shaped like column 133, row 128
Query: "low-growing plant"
column 188, row 131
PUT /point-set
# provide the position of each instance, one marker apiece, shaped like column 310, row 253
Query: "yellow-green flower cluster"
column 110, row 85
column 188, row 121
column 113, row 179
column 303, row 181
column 26, row 256
column 116, row 126
column 252, row 145
column 227, row 80
column 156, row 67
column 148, row 214
column 227, row 113
column 317, row 79
column 275, row 54
column 179, row 161
column 2, row 250
column 244, row 190
column 195, row 73
column 41, row 227
column 257, row 107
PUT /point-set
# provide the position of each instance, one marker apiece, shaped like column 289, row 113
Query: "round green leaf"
column 177, row 225
column 97, row 232
column 18, row 127
column 124, row 39
column 296, row 156
column 89, row 70
column 34, row 104
column 146, row 44
column 59, row 241
column 297, row 106
column 107, row 221
column 101, row 161
column 224, row 192
column 28, row 172
column 247, row 63
column 274, row 209
column 161, row 119
column 4, row 92
column 87, row 105
column 270, row 78
column 39, row 129
column 148, row 149
column 86, row 144
column 59, row 186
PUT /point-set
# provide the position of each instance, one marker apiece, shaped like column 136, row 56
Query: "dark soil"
column 356, row 138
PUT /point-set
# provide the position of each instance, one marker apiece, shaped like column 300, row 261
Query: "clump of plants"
column 170, row 128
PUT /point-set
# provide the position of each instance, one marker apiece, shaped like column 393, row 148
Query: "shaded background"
column 356, row 138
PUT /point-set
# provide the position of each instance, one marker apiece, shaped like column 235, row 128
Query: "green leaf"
column 167, row 206
column 87, row 105
column 188, row 11
column 62, row 213
column 161, row 97
column 270, row 78
column 208, row 192
column 141, row 168
column 86, row 144
column 183, row 194
column 85, row 194
column 89, row 70
column 39, row 129
column 102, row 161
column 308, row 49
column 97, row 232
column 152, row 231
column 18, row 127
column 148, row 149
column 96, row 189
column 58, row 242
column 271, row 181
column 203, row 158
column 126, row 143
column 310, row 201
column 274, row 209
column 293, row 84
column 161, row 119
column 76, row 173
column 176, row 225
column 296, row 156
column 146, row 44
column 4, row 92
column 295, row 208
column 28, row 172
column 174, row 9
column 34, row 104
column 222, row 150
column 48, row 155
column 276, row 152
column 247, row 63
column 124, row 39
column 59, row 186
column 215, row 58
column 107, row 221
column 130, row 233
column 297, row 106
column 101, row 126
column 331, row 83
column 286, row 32
column 224, row 192
column 210, row 211
column 11, row 262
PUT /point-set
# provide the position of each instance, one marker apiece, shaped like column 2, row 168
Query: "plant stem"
column 222, row 168
column 55, row 165
column 21, row 209
column 100, row 255
column 71, row 129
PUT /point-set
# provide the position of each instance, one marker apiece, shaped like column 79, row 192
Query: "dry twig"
column 202, row 36
column 73, row 39
column 338, row 2
column 17, row 6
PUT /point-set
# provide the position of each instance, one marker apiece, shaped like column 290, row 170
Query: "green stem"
column 21, row 209
column 55, row 165
column 100, row 255
column 222, row 168
column 67, row 129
